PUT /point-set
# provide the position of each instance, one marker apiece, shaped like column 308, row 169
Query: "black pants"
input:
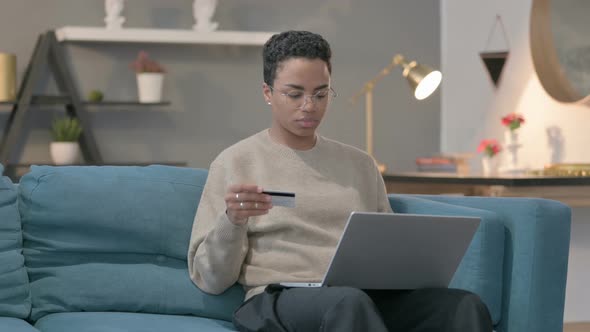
column 349, row 309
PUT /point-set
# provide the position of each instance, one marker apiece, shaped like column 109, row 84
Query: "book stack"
column 458, row 163
column 440, row 164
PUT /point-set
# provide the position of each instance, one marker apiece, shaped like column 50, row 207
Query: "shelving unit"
column 165, row 36
column 48, row 53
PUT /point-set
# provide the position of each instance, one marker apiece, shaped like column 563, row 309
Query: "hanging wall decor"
column 494, row 61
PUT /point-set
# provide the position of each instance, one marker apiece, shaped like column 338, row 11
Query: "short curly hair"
column 293, row 44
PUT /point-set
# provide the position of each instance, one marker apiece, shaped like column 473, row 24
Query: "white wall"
column 471, row 110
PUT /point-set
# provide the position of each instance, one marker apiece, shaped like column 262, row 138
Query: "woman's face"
column 299, row 98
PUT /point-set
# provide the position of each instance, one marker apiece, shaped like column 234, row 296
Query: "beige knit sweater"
column 288, row 244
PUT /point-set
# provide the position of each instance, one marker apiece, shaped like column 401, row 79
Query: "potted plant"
column 150, row 78
column 490, row 148
column 65, row 148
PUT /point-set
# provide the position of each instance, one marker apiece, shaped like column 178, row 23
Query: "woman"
column 238, row 235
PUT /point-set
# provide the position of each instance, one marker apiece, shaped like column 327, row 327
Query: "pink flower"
column 489, row 147
column 143, row 64
column 513, row 121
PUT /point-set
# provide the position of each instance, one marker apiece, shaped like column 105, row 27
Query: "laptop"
column 398, row 251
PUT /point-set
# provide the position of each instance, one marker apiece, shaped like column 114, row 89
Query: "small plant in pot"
column 150, row 78
column 65, row 149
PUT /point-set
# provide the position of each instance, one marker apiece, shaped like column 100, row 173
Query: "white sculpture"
column 113, row 18
column 203, row 12
column 555, row 140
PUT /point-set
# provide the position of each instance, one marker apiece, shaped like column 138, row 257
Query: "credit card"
column 281, row 198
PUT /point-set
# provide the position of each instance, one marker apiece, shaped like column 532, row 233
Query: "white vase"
column 510, row 137
column 512, row 146
column 64, row 153
column 489, row 165
column 149, row 87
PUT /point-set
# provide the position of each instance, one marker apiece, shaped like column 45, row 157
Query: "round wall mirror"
column 560, row 47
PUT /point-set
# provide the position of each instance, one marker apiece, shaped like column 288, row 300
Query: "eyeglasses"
column 298, row 99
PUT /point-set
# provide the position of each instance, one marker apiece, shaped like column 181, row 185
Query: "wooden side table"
column 573, row 191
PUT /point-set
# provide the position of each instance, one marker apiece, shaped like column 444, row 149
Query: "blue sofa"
column 89, row 249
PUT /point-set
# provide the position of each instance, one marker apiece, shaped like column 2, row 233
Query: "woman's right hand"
column 246, row 200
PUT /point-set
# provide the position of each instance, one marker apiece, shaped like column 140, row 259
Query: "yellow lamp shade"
column 422, row 79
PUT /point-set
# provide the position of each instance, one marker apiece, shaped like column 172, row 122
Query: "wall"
column 215, row 91
column 472, row 108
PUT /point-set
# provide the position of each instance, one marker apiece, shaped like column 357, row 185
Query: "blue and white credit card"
column 281, row 198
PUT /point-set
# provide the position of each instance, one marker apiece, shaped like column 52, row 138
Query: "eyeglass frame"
column 313, row 98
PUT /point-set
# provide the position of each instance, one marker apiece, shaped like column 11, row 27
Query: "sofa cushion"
column 114, row 239
column 10, row 324
column 129, row 322
column 481, row 269
column 14, row 284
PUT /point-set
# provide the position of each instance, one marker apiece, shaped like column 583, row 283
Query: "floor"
column 576, row 327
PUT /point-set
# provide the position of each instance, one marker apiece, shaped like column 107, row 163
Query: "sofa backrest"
column 15, row 298
column 114, row 239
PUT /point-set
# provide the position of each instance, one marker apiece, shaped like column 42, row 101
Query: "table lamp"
column 422, row 79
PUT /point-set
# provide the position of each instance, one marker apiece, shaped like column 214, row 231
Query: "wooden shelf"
column 64, row 100
column 162, row 36
column 479, row 179
column 123, row 103
column 573, row 191
column 119, row 163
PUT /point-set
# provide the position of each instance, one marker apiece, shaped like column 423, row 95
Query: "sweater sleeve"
column 217, row 247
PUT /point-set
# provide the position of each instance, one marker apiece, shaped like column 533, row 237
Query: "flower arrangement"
column 490, row 147
column 513, row 121
column 143, row 64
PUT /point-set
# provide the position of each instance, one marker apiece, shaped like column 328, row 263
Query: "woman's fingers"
column 250, row 205
column 247, row 197
column 246, row 200
column 244, row 188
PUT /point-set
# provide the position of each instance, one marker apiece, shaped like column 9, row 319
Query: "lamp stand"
column 369, row 124
column 414, row 73
column 367, row 91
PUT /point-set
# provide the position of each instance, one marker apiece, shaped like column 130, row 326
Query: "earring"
column 268, row 102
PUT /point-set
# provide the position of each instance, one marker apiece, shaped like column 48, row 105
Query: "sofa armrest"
column 535, row 258
column 480, row 270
